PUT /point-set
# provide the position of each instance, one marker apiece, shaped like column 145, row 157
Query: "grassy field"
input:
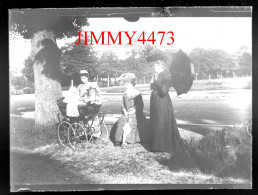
column 38, row 159
column 200, row 85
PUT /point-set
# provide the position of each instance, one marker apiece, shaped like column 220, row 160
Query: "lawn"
column 37, row 160
column 199, row 85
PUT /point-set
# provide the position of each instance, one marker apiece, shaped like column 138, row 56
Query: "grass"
column 227, row 152
column 200, row 85
column 39, row 161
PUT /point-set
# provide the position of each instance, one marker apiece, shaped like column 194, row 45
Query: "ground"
column 226, row 107
column 39, row 162
column 35, row 161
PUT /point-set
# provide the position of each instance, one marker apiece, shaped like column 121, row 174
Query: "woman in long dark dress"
column 164, row 135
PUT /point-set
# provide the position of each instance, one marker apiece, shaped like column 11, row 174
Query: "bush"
column 227, row 152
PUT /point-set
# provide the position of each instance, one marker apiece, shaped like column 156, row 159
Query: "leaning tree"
column 43, row 27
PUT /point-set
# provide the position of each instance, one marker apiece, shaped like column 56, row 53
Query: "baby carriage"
column 76, row 132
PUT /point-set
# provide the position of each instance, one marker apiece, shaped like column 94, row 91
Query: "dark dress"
column 137, row 120
column 164, row 135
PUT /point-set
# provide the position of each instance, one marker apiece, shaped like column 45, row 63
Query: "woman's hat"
column 84, row 73
column 127, row 77
column 156, row 56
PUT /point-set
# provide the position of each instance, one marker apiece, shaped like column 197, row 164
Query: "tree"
column 43, row 27
column 245, row 59
column 137, row 60
column 213, row 61
column 109, row 66
column 78, row 57
column 18, row 82
column 28, row 69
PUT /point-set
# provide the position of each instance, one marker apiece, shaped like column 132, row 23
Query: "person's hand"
column 126, row 113
column 132, row 110
column 85, row 99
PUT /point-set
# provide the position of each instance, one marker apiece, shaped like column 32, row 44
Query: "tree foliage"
column 43, row 27
column 138, row 60
column 245, row 58
column 28, row 69
column 212, row 60
column 78, row 57
column 109, row 65
column 18, row 82
column 62, row 22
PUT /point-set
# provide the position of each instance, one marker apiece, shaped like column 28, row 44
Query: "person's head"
column 127, row 79
column 159, row 66
column 159, row 60
column 84, row 76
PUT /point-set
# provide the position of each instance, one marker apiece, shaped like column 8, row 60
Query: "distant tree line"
column 208, row 64
column 78, row 57
column 216, row 63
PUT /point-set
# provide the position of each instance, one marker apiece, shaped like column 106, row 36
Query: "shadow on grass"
column 226, row 153
column 33, row 168
column 182, row 159
column 112, row 133
column 28, row 167
column 20, row 111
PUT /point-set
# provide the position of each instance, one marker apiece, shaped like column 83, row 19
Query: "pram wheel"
column 96, row 127
column 62, row 130
column 77, row 136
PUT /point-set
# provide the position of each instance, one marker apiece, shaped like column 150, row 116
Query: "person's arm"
column 124, row 104
column 139, row 102
column 152, row 82
column 78, row 90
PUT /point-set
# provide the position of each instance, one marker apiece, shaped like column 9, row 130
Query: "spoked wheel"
column 77, row 136
column 89, row 132
column 87, row 124
column 96, row 128
column 62, row 132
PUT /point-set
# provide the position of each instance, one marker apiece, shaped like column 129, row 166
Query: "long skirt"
column 138, row 132
column 164, row 134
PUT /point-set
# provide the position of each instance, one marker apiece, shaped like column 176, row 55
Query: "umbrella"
column 182, row 72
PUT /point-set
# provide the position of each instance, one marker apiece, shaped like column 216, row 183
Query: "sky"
column 227, row 33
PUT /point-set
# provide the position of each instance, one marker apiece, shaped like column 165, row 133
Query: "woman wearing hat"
column 132, row 113
column 164, row 134
column 83, row 88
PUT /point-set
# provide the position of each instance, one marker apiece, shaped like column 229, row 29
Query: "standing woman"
column 164, row 135
column 132, row 112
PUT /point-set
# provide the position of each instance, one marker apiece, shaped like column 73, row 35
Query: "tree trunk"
column 47, row 90
column 108, row 80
